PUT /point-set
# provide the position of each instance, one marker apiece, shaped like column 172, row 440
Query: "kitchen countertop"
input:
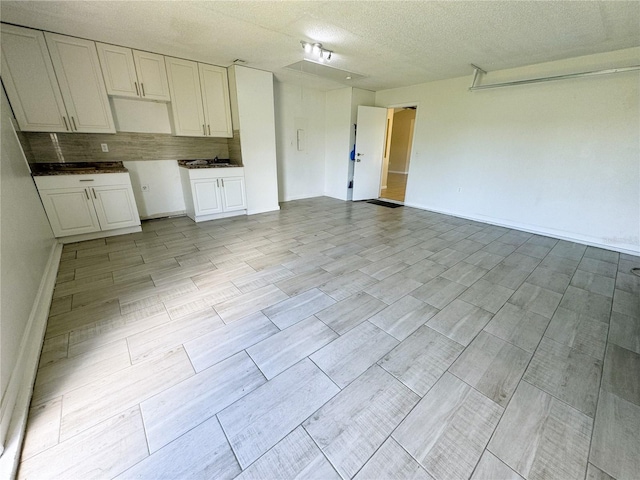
column 85, row 168
column 206, row 163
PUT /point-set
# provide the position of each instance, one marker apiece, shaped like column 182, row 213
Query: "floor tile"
column 344, row 359
column 275, row 354
column 292, row 310
column 382, row 269
column 258, row 421
column 625, row 331
column 100, row 399
column 448, row 257
column 626, row 303
column 304, row 281
column 452, row 413
column 460, row 321
column 403, row 317
column 421, row 359
column 591, row 304
column 392, row 288
column 550, row 279
column 491, row 467
column 536, row 299
column 567, row 374
column 627, row 282
column 568, row 250
column 44, row 423
column 108, row 448
column 392, row 461
column 226, row 341
column 594, row 473
column 541, row 437
column 486, row 295
column 185, row 405
column 557, row 264
column 464, row 273
column 517, row 326
column 599, row 267
column 507, row 276
column 578, row 331
column 621, row 374
column 423, row 271
column 296, row 456
column 439, row 292
column 498, row 248
column 353, row 424
column 350, row 312
column 492, row 366
column 346, row 285
column 615, row 447
column 594, row 283
column 200, row 453
column 601, row 254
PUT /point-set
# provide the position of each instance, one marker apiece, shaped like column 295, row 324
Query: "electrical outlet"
column 105, row 147
column 145, row 188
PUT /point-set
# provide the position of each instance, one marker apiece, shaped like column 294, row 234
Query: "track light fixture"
column 316, row 51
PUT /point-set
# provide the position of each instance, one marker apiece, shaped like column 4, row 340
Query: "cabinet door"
column 118, row 70
column 77, row 68
column 28, row 76
column 215, row 99
column 152, row 76
column 115, row 206
column 186, row 98
column 233, row 197
column 70, row 211
column 206, row 196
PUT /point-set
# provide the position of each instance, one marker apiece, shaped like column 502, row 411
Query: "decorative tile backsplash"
column 123, row 146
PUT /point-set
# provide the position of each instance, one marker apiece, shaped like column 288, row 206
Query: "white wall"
column 560, row 158
column 27, row 248
column 164, row 196
column 253, row 111
column 337, row 142
column 300, row 172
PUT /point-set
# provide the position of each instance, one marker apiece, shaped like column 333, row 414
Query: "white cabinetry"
column 77, row 68
column 82, row 204
column 133, row 73
column 211, row 193
column 199, row 99
column 28, row 77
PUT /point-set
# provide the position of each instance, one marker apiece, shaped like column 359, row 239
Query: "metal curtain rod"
column 478, row 70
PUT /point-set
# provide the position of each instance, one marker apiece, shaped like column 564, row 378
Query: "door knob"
column 359, row 154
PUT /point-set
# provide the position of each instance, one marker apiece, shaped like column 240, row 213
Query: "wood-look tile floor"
column 338, row 340
column 396, row 187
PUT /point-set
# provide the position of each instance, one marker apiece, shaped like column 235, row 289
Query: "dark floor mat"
column 385, row 204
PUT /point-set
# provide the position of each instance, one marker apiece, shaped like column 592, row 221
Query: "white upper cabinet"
column 132, row 73
column 199, row 99
column 28, row 76
column 215, row 99
column 77, row 68
column 152, row 76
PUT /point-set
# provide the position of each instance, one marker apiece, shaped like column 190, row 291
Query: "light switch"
column 301, row 140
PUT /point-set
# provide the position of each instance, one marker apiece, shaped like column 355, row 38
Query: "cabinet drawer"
column 49, row 182
column 203, row 173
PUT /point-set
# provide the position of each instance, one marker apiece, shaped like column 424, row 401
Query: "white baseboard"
column 15, row 403
column 538, row 230
column 265, row 210
column 179, row 213
column 101, row 234
column 290, row 198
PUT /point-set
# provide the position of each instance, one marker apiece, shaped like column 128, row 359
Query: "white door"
column 206, row 196
column 115, row 206
column 152, row 76
column 370, row 138
column 70, row 211
column 186, row 97
column 233, row 197
column 77, row 68
column 28, row 76
column 118, row 70
column 215, row 99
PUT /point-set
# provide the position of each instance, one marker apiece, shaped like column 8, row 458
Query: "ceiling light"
column 316, row 51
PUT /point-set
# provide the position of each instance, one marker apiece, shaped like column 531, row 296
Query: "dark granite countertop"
column 85, row 168
column 206, row 163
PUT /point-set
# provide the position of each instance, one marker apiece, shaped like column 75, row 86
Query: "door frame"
column 413, row 137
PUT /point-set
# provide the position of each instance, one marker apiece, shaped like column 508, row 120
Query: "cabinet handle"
column 86, row 193
column 204, row 130
column 218, row 182
column 137, row 92
column 142, row 85
column 65, row 122
column 209, row 127
column 87, row 180
column 94, row 193
column 222, row 180
column 73, row 120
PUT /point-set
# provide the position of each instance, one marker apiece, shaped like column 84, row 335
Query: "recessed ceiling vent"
column 324, row 71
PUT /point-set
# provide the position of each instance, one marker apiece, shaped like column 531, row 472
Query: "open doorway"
column 397, row 152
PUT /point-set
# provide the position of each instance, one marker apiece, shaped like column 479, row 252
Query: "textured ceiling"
column 391, row 43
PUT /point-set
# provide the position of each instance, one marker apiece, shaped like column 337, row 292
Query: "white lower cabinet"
column 211, row 193
column 89, row 204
